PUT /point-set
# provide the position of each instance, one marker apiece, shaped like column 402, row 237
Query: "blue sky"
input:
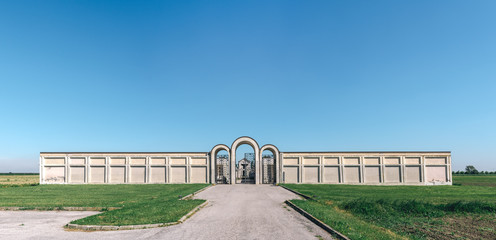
column 302, row 75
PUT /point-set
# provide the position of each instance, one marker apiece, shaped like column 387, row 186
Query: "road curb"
column 189, row 196
column 133, row 227
column 58, row 208
column 319, row 223
column 298, row 193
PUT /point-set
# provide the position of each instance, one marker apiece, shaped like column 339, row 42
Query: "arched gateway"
column 370, row 168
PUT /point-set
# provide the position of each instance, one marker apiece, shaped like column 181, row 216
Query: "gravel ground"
column 234, row 212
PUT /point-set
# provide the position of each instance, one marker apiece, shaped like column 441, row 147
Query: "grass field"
column 16, row 179
column 464, row 211
column 139, row 204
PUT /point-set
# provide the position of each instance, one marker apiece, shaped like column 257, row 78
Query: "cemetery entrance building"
column 265, row 165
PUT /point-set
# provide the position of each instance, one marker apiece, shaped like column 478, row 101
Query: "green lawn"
column 405, row 212
column 140, row 204
column 475, row 180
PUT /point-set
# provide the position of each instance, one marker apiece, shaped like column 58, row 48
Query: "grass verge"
column 139, row 204
column 403, row 212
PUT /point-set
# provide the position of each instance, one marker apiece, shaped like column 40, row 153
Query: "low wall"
column 117, row 168
column 374, row 168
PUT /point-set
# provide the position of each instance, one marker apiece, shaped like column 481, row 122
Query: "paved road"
column 233, row 212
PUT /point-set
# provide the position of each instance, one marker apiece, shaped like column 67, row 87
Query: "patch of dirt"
column 459, row 227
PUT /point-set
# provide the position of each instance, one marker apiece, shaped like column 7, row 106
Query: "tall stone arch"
column 250, row 141
column 275, row 152
column 213, row 155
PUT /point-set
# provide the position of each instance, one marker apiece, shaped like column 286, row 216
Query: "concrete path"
column 233, row 212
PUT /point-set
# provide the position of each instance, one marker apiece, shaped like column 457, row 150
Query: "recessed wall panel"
column 157, row 161
column 372, row 174
column 371, row 161
column 392, row 160
column 351, row 160
column 97, row 174
column 435, row 160
column 198, row 174
column 97, row 161
column 331, row 160
column 138, row 161
column 178, row 174
column 77, row 161
column 178, row 161
column 351, row 175
column 291, row 174
column 118, row 161
column 138, row 174
column 117, row 174
column 311, row 161
column 76, row 174
column 435, row 174
column 331, row 175
column 290, row 161
column 198, row 161
column 412, row 174
column 392, row 174
column 54, row 161
column 54, row 174
column 412, row 160
column 158, row 174
column 311, row 174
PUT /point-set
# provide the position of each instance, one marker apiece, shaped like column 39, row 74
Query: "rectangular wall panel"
column 138, row 161
column 331, row 175
column 54, row 174
column 291, row 174
column 290, row 161
column 158, row 175
column 198, row 161
column 137, row 175
column 331, row 160
column 412, row 174
column 76, row 174
column 54, row 161
column 311, row 161
column 412, row 160
column 97, row 161
column 351, row 175
column 371, row 160
column 435, row 173
column 157, row 161
column 311, row 174
column 117, row 174
column 435, row 160
column 178, row 174
column 198, row 174
column 392, row 160
column 77, row 161
column 97, row 174
column 118, row 161
column 178, row 161
column 351, row 160
column 392, row 174
column 372, row 174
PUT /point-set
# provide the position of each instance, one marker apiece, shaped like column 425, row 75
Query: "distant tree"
column 471, row 170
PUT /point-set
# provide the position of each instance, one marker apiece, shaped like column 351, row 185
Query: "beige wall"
column 374, row 168
column 123, row 168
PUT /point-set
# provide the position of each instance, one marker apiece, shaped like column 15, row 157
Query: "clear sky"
column 302, row 75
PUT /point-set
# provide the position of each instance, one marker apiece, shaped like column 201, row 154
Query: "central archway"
column 250, row 141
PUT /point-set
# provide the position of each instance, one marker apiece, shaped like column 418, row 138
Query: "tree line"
column 472, row 170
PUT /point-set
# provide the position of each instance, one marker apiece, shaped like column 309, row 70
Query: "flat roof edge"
column 372, row 152
column 120, row 152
